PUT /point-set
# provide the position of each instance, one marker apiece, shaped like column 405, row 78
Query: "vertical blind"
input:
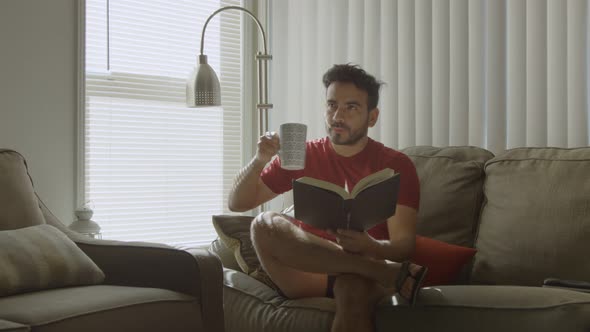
column 497, row 74
column 154, row 169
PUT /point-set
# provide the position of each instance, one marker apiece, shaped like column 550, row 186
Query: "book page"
column 372, row 180
column 325, row 185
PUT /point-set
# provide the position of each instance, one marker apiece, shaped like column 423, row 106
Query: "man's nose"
column 339, row 113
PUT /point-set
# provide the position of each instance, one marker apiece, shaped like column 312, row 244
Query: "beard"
column 349, row 136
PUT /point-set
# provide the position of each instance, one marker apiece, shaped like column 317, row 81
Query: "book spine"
column 347, row 208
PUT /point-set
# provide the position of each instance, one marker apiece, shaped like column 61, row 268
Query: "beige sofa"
column 526, row 211
column 105, row 286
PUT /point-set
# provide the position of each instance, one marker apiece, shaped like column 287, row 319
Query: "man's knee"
column 264, row 229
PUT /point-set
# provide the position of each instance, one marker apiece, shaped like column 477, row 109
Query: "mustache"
column 338, row 125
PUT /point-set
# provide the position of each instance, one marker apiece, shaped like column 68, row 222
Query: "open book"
column 325, row 205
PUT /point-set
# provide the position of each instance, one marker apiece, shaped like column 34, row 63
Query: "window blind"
column 156, row 170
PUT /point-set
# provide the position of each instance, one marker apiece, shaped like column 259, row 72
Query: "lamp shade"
column 202, row 88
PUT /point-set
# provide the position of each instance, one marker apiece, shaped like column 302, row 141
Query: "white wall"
column 38, row 89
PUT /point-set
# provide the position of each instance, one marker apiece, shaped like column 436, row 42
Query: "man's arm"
column 248, row 190
column 402, row 235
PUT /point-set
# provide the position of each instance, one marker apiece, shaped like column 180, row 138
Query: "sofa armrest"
column 196, row 271
column 576, row 285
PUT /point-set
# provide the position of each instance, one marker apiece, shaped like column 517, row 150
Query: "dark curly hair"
column 351, row 73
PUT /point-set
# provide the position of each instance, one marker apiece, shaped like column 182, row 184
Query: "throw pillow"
column 234, row 234
column 42, row 257
column 444, row 261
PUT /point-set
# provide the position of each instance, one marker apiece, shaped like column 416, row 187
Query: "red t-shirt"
column 322, row 162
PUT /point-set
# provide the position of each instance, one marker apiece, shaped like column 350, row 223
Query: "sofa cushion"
column 252, row 306
column 535, row 222
column 6, row 326
column 19, row 206
column 234, row 233
column 451, row 180
column 234, row 236
column 104, row 308
column 41, row 257
column 489, row 309
column 225, row 255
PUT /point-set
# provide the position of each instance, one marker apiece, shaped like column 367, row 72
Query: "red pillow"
column 444, row 260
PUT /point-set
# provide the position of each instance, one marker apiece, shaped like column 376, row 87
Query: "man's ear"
column 373, row 116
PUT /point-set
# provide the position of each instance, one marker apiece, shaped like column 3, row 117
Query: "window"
column 155, row 170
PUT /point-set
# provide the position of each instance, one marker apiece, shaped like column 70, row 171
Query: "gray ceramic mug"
column 292, row 151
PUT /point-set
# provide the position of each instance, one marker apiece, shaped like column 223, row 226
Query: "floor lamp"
column 203, row 88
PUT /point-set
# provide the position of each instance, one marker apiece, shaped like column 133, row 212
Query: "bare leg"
column 356, row 298
column 298, row 262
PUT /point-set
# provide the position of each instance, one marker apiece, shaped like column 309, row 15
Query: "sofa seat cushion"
column 489, row 308
column 252, row 306
column 103, row 308
column 6, row 326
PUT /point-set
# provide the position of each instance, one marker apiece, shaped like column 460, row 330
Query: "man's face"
column 347, row 116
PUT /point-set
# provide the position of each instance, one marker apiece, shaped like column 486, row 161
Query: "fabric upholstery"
column 104, row 308
column 451, row 179
column 18, row 204
column 191, row 271
column 41, row 257
column 252, row 306
column 535, row 223
column 6, row 326
column 234, row 235
column 234, row 232
column 225, row 255
column 489, row 309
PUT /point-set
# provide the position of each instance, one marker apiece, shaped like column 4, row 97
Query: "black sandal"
column 404, row 274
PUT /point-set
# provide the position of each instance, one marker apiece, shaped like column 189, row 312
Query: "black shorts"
column 329, row 287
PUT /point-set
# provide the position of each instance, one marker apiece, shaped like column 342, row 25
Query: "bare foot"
column 389, row 274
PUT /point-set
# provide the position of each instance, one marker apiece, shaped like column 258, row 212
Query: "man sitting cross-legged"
column 356, row 268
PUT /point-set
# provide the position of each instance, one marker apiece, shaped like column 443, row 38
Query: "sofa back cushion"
column 451, row 180
column 535, row 221
column 19, row 206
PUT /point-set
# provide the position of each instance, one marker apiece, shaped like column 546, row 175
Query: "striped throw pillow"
column 42, row 257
